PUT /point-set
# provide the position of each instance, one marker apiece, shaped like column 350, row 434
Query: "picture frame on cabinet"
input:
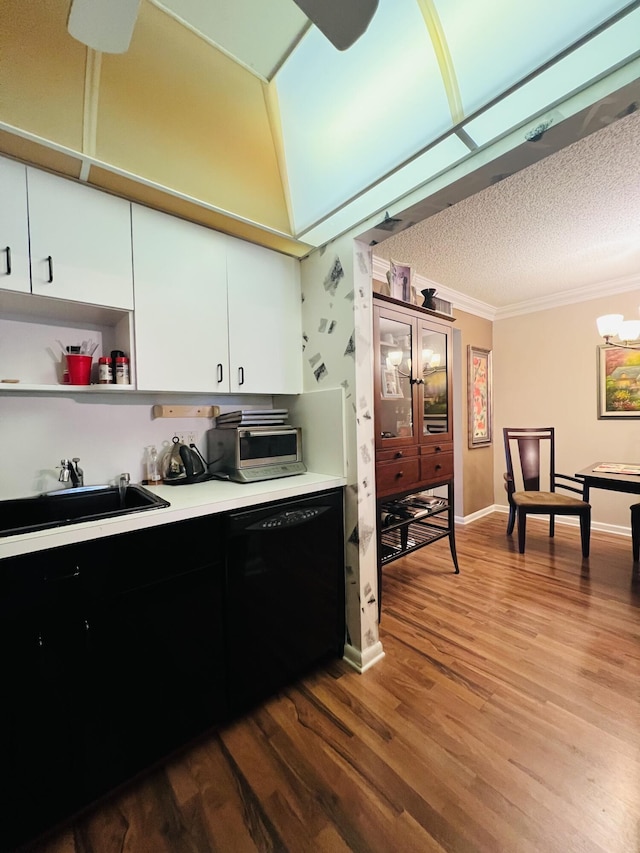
column 618, row 382
column 390, row 385
column 400, row 280
column 479, row 397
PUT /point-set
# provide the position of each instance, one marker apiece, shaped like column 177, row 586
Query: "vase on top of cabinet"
column 413, row 426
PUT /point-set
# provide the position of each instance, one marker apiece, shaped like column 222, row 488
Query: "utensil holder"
column 79, row 369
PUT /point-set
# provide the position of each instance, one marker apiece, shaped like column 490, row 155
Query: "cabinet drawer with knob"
column 397, row 454
column 397, row 476
column 436, row 449
column 436, row 467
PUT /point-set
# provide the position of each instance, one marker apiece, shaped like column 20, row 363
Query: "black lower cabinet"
column 112, row 657
column 117, row 651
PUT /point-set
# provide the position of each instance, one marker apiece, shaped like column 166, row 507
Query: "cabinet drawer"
column 397, row 476
column 438, row 466
column 440, row 447
column 397, row 453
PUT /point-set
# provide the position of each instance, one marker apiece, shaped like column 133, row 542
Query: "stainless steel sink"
column 70, row 506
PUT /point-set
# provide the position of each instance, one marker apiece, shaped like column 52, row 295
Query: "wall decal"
column 334, row 277
column 351, row 346
column 321, row 372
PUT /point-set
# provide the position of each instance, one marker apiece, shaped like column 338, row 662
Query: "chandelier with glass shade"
column 430, row 364
column 618, row 332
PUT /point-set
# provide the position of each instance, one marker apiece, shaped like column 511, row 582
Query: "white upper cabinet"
column 265, row 320
column 14, row 233
column 80, row 242
column 180, row 304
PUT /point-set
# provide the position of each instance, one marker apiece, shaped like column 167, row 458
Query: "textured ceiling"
column 569, row 221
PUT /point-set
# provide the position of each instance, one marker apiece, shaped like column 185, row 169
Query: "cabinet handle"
column 241, row 376
column 50, row 262
column 219, row 373
column 399, row 455
column 438, row 467
column 8, row 253
column 399, row 474
column 438, row 449
column 416, row 381
column 73, row 574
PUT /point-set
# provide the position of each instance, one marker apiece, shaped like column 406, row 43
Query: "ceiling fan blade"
column 105, row 25
column 341, row 21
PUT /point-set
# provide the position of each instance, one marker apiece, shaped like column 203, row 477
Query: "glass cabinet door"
column 435, row 388
column 395, row 403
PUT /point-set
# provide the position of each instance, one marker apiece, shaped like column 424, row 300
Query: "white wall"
column 108, row 432
column 545, row 374
column 337, row 328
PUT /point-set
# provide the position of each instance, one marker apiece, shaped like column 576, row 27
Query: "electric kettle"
column 182, row 464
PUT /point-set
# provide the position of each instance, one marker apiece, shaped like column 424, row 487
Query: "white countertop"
column 186, row 502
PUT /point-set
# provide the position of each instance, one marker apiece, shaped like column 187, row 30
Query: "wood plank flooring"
column 505, row 716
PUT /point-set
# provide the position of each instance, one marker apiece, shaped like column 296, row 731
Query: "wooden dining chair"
column 531, row 482
column 635, row 531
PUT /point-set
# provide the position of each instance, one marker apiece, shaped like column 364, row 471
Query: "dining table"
column 611, row 476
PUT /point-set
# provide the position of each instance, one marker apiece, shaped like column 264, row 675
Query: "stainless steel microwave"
column 250, row 454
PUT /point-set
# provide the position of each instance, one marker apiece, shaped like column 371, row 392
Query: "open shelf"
column 402, row 538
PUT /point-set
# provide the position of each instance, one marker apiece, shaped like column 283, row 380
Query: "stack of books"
column 252, row 417
column 426, row 501
column 412, row 507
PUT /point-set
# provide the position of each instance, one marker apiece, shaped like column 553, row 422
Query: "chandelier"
column 627, row 332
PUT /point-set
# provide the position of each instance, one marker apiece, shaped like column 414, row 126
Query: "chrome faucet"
column 123, row 482
column 70, row 470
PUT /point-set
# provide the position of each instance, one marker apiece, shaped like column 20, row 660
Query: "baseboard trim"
column 361, row 661
column 571, row 521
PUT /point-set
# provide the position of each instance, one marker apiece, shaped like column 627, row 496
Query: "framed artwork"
column 479, row 396
column 618, row 382
column 400, row 281
column 390, row 385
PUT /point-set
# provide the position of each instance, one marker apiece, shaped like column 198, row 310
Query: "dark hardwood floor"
column 505, row 716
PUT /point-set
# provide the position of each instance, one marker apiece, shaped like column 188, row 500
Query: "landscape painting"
column 618, row 382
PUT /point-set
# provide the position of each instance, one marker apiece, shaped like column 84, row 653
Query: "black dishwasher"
column 285, row 593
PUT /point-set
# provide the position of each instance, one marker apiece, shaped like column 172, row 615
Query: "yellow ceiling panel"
column 41, row 71
column 194, row 212
column 32, row 152
column 179, row 113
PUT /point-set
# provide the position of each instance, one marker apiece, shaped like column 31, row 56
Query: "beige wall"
column 545, row 374
column 477, row 463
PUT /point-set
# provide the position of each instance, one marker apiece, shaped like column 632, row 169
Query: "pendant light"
column 104, row 25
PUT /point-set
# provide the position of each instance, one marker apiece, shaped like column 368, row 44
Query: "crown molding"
column 462, row 302
column 570, row 297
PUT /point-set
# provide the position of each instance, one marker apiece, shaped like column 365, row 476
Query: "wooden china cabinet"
column 413, row 427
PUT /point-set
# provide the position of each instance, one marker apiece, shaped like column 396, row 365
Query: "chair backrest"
column 535, row 448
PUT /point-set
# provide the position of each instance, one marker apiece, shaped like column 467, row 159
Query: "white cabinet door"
column 80, row 242
column 14, row 229
column 265, row 320
column 180, row 304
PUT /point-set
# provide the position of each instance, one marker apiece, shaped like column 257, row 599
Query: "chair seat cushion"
column 546, row 501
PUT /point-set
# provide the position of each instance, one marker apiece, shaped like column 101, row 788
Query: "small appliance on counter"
column 248, row 454
column 183, row 464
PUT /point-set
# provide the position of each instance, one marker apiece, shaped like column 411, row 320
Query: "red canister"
column 105, row 371
column 122, row 370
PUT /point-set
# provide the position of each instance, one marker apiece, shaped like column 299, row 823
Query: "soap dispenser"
column 153, row 468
